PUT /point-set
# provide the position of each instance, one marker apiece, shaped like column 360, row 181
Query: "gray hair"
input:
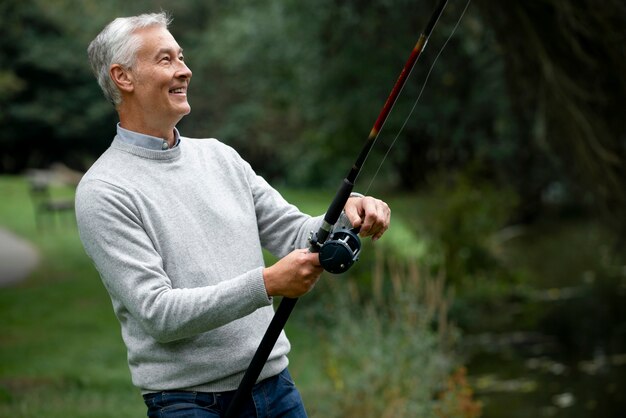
column 118, row 44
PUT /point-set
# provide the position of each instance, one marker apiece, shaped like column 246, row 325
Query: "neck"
column 160, row 129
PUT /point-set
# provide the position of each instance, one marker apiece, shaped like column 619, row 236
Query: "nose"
column 183, row 71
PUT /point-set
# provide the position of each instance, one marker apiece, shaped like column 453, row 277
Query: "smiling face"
column 154, row 90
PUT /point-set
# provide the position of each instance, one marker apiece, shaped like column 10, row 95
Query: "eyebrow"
column 168, row 51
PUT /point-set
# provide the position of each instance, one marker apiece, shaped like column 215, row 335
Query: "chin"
column 183, row 110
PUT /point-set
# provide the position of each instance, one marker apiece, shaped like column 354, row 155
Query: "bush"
column 466, row 213
column 389, row 352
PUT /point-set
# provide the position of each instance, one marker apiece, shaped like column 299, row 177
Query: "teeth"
column 179, row 90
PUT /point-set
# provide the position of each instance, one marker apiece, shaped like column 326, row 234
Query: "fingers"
column 353, row 211
column 307, row 271
column 312, row 260
column 376, row 217
column 294, row 275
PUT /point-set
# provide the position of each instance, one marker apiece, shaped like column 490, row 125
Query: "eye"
column 165, row 58
column 181, row 58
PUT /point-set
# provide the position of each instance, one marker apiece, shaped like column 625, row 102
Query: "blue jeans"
column 271, row 398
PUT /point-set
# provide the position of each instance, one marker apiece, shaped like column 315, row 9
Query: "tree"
column 564, row 68
column 50, row 111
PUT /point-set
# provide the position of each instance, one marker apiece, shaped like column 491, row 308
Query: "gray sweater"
column 177, row 238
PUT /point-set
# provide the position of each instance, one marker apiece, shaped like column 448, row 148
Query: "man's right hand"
column 294, row 275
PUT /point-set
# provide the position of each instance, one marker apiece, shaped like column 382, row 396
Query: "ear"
column 122, row 78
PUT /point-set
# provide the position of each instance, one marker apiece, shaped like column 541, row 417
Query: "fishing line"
column 406, row 120
column 342, row 247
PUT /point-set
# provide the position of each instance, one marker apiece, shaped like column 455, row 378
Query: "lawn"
column 61, row 354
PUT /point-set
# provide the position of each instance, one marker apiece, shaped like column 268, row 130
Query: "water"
column 524, row 375
column 556, row 346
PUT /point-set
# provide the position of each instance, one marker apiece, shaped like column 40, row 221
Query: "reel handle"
column 339, row 252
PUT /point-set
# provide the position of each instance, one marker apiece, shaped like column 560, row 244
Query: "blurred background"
column 500, row 289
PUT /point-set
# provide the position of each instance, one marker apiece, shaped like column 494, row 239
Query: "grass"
column 61, row 353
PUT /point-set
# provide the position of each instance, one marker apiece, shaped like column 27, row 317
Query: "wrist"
column 267, row 274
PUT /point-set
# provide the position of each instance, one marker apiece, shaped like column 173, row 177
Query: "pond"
column 556, row 345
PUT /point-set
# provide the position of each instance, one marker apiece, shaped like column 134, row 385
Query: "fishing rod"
column 338, row 249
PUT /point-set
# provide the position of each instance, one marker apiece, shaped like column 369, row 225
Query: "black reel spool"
column 340, row 251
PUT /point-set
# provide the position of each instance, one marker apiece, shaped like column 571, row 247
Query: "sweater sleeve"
column 132, row 270
column 282, row 226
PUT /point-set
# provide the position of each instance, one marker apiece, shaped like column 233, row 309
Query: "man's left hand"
column 370, row 214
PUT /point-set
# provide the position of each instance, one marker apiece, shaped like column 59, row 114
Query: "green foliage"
column 295, row 87
column 465, row 215
column 388, row 347
column 301, row 84
column 48, row 97
column 564, row 63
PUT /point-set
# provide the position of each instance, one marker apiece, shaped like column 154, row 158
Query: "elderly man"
column 176, row 227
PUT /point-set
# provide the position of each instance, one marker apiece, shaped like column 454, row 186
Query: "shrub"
column 465, row 215
column 389, row 350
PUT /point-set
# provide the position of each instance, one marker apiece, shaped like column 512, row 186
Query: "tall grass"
column 389, row 348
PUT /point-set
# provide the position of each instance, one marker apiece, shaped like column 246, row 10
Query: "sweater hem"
column 230, row 383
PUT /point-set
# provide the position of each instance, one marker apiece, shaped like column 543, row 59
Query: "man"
column 176, row 227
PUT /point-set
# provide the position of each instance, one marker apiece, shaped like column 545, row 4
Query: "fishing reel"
column 339, row 252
